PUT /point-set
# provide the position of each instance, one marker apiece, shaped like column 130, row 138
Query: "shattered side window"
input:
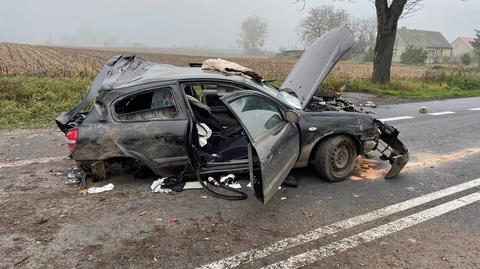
column 257, row 114
column 152, row 105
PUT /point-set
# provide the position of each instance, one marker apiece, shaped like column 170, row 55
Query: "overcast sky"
column 203, row 23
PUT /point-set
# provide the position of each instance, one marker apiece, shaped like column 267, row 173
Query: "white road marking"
column 396, row 118
column 475, row 109
column 251, row 255
column 441, row 113
column 336, row 247
column 32, row 161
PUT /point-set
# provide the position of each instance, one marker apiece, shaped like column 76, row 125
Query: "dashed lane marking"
column 32, row 161
column 336, row 247
column 474, row 109
column 254, row 254
column 441, row 113
column 396, row 118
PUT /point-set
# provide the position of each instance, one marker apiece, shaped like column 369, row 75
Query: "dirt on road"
column 47, row 223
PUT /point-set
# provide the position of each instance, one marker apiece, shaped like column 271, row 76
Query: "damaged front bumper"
column 391, row 148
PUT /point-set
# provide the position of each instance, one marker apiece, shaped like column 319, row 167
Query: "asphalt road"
column 425, row 218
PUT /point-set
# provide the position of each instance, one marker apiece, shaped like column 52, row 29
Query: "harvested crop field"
column 22, row 59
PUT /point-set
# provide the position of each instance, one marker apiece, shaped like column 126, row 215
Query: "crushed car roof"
column 139, row 71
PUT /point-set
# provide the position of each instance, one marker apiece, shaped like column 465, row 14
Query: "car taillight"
column 72, row 138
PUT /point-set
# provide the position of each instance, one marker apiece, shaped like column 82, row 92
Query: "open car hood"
column 316, row 62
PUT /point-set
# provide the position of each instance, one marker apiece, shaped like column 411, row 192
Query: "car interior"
column 154, row 104
column 228, row 141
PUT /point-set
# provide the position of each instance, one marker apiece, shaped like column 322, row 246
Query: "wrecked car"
column 225, row 119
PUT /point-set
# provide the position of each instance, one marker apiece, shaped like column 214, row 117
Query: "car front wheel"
column 334, row 159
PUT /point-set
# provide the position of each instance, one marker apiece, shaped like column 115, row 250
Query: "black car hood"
column 317, row 62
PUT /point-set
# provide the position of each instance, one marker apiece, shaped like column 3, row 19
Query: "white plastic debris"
column 192, row 185
column 105, row 188
column 370, row 104
column 157, row 186
column 235, row 185
column 227, row 179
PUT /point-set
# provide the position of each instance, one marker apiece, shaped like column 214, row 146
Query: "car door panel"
column 275, row 141
column 277, row 153
column 159, row 141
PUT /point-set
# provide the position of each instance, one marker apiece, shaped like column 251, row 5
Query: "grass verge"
column 450, row 87
column 34, row 102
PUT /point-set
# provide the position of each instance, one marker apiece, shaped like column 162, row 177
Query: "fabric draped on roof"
column 227, row 67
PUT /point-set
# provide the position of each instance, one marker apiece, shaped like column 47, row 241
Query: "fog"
column 212, row 24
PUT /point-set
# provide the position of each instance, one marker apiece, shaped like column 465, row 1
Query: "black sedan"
column 222, row 118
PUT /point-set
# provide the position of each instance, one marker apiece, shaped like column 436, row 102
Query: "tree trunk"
column 387, row 20
column 383, row 53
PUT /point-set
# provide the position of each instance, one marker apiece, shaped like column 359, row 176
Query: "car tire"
column 335, row 158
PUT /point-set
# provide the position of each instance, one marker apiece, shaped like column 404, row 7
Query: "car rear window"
column 156, row 104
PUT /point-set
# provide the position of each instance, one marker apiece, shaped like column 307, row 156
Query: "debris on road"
column 74, row 177
column 157, row 186
column 105, row 188
column 235, row 185
column 228, row 179
column 370, row 104
column 283, row 198
column 192, row 185
column 173, row 183
column 423, row 109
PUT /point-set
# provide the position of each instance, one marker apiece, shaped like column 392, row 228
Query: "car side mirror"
column 292, row 116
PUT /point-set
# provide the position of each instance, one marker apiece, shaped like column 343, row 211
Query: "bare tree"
column 252, row 35
column 388, row 13
column 365, row 31
column 324, row 18
column 320, row 20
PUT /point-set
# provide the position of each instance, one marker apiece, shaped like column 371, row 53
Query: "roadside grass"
column 450, row 87
column 34, row 102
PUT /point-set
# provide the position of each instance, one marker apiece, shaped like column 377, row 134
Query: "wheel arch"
column 355, row 139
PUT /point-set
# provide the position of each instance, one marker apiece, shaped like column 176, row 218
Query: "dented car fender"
column 319, row 125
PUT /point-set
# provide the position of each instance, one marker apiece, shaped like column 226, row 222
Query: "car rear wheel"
column 334, row 159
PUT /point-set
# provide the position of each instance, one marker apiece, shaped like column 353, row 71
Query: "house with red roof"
column 461, row 46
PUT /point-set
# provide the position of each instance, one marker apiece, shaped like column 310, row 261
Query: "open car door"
column 275, row 140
